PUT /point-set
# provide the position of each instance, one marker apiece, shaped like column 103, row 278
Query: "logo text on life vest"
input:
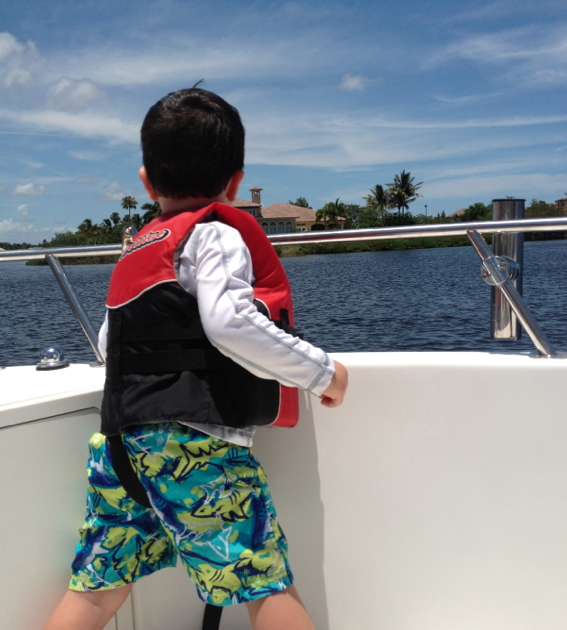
column 146, row 239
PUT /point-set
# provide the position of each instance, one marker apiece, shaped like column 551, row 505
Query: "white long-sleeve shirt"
column 215, row 267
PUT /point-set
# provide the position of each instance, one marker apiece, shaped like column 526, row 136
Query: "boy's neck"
column 189, row 203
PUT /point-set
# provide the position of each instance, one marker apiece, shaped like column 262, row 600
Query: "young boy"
column 199, row 341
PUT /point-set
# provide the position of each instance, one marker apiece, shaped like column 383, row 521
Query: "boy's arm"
column 334, row 394
column 102, row 336
column 215, row 266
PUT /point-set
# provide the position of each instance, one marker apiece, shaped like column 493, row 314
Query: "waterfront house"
column 279, row 218
column 251, row 207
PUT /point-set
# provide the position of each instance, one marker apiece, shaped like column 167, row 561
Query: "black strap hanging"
column 212, row 617
column 130, row 482
column 125, row 473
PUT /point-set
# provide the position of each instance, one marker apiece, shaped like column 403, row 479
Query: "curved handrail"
column 555, row 224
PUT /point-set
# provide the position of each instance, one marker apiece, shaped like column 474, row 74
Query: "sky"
column 336, row 97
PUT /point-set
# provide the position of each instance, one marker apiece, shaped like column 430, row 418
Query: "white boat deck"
column 435, row 498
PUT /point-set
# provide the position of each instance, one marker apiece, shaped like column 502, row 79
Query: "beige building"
column 458, row 213
column 285, row 218
column 248, row 206
column 279, row 218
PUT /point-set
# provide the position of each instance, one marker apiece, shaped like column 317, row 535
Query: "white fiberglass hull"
column 434, row 499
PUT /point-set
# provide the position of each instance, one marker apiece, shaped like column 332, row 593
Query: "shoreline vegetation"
column 355, row 247
column 384, row 207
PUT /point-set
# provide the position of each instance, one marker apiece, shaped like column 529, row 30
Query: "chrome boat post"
column 75, row 304
column 504, row 323
column 496, row 272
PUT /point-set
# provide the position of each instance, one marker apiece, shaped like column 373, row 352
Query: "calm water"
column 429, row 299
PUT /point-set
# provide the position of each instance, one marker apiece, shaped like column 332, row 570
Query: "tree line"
column 109, row 230
column 386, row 207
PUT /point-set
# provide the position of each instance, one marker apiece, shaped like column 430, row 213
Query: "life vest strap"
column 175, row 361
column 125, row 473
column 212, row 617
column 129, row 479
column 162, row 330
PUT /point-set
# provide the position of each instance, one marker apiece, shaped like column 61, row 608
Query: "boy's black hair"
column 192, row 144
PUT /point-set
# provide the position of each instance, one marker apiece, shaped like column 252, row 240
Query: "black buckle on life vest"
column 284, row 324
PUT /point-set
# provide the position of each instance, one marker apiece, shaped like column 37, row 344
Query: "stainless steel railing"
column 492, row 265
column 333, row 236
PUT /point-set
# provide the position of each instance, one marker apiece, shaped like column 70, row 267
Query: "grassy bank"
column 310, row 249
column 285, row 251
column 94, row 260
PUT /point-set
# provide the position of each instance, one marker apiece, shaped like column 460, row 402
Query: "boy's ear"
column 149, row 188
column 233, row 185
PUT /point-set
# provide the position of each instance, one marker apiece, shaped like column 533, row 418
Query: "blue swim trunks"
column 211, row 506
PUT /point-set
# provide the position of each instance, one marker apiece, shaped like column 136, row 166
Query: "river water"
column 414, row 300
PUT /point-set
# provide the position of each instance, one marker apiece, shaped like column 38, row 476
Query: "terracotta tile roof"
column 241, row 203
column 287, row 211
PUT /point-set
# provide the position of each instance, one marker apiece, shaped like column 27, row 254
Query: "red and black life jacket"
column 160, row 365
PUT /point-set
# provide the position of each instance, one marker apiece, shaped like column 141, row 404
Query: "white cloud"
column 8, row 225
column 22, row 210
column 535, row 56
column 495, row 47
column 33, row 163
column 9, row 45
column 354, row 82
column 548, row 76
column 113, row 191
column 72, row 96
column 347, row 141
column 88, row 156
column 462, row 100
column 30, row 190
column 19, row 63
column 12, row 231
column 527, row 185
column 87, row 179
column 184, row 60
column 86, row 125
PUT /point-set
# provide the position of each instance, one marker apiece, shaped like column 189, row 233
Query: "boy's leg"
column 120, row 542
column 87, row 610
column 280, row 611
column 221, row 516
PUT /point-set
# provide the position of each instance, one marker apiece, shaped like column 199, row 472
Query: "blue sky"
column 336, row 97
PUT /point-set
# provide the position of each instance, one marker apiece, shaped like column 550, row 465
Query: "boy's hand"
column 334, row 394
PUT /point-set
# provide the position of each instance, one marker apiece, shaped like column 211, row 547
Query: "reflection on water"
column 430, row 299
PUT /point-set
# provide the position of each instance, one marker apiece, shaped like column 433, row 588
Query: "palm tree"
column 379, row 200
column 331, row 212
column 107, row 225
column 137, row 221
column 321, row 215
column 115, row 218
column 152, row 210
column 129, row 203
column 403, row 191
column 86, row 226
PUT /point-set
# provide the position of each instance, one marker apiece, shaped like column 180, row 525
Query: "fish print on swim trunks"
column 212, row 506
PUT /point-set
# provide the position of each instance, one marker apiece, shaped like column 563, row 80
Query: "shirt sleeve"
column 215, row 266
column 102, row 337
